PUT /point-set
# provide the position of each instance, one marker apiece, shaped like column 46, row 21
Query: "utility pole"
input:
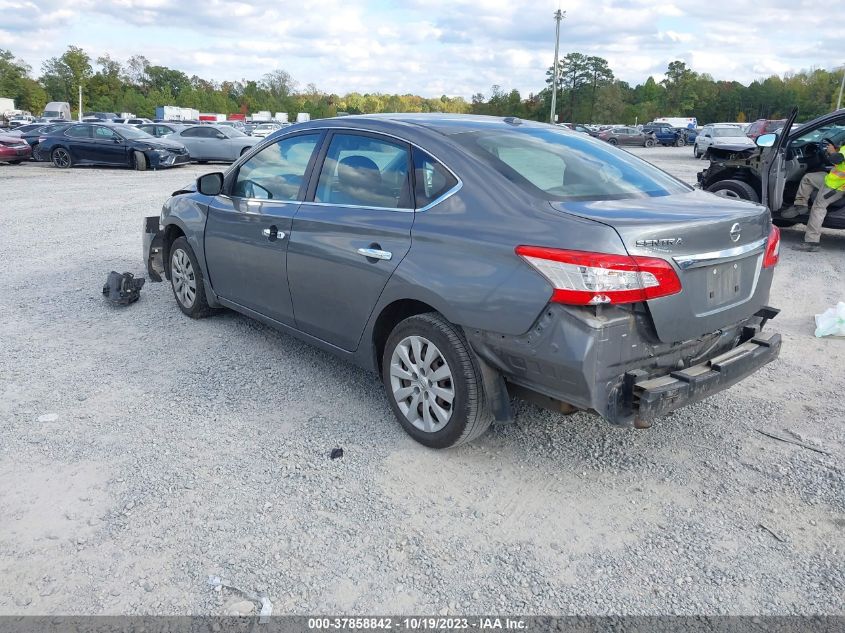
column 841, row 86
column 79, row 114
column 558, row 17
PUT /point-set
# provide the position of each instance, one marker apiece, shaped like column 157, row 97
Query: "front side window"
column 431, row 179
column 103, row 133
column 832, row 131
column 558, row 166
column 365, row 171
column 276, row 172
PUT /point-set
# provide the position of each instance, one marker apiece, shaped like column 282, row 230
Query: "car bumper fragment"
column 654, row 397
column 153, row 248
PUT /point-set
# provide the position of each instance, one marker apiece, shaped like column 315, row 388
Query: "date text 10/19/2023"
column 416, row 624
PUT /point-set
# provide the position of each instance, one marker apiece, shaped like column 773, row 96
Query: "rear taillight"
column 772, row 248
column 584, row 278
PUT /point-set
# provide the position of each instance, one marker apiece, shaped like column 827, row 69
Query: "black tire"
column 469, row 415
column 680, row 142
column 61, row 158
column 613, row 141
column 139, row 161
column 649, row 142
column 198, row 307
column 201, row 162
column 736, row 189
column 14, row 162
column 696, row 153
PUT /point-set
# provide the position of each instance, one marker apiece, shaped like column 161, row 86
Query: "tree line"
column 587, row 92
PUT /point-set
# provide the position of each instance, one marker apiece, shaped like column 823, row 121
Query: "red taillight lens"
column 584, row 278
column 772, row 248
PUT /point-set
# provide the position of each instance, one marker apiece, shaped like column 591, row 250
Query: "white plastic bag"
column 831, row 322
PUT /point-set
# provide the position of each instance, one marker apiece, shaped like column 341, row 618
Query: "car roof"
column 445, row 124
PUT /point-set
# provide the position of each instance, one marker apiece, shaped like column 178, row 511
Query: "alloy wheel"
column 421, row 383
column 183, row 278
column 61, row 158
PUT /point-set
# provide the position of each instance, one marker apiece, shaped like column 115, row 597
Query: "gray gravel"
column 141, row 452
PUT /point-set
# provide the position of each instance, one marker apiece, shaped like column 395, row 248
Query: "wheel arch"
column 170, row 234
column 388, row 318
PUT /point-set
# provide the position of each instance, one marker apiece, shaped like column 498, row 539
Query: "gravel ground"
column 141, row 452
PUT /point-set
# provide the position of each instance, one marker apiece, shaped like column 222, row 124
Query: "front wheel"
column 61, row 158
column 613, row 141
column 680, row 142
column 186, row 280
column 736, row 189
column 433, row 382
column 696, row 152
column 649, row 143
column 139, row 161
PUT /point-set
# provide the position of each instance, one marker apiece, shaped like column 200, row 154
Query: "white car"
column 265, row 129
column 720, row 134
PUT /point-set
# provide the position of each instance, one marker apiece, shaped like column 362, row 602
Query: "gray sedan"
column 470, row 259
column 214, row 142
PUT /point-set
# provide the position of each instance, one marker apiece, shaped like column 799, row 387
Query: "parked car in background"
column 214, row 142
column 99, row 116
column 23, row 129
column 665, row 134
column 720, row 135
column 468, row 259
column 627, row 136
column 160, row 130
column 238, row 125
column 133, row 121
column 13, row 149
column 763, row 126
column 265, row 129
column 110, row 144
column 687, row 133
column 738, row 172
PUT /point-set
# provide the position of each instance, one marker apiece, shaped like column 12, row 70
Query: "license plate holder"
column 724, row 283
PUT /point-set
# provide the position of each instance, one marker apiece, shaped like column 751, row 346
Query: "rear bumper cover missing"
column 654, row 397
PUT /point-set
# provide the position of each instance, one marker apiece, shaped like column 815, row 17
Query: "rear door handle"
column 374, row 253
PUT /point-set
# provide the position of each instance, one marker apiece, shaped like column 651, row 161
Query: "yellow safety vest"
column 835, row 178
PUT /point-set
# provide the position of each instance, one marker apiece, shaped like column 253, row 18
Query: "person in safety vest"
column 830, row 187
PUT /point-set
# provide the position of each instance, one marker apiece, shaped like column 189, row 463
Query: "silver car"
column 718, row 135
column 265, row 129
column 214, row 142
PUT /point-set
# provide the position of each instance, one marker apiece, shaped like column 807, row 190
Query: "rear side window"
column 365, row 171
column 79, row 131
column 555, row 165
column 431, row 179
column 277, row 171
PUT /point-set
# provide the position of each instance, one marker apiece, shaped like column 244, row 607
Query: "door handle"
column 374, row 253
column 272, row 234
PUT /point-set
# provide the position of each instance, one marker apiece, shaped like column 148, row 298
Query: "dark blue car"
column 105, row 144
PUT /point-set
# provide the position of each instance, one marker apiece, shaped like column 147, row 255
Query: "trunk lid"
column 715, row 245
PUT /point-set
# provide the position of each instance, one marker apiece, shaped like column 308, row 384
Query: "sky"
column 430, row 47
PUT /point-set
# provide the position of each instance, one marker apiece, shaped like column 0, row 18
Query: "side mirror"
column 210, row 184
column 117, row 139
column 767, row 140
column 221, row 135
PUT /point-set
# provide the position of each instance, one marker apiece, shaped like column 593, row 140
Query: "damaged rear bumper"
column 610, row 362
column 153, row 248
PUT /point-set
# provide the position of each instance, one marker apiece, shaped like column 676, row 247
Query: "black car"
column 105, row 144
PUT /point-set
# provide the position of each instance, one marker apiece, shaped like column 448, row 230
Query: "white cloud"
column 429, row 47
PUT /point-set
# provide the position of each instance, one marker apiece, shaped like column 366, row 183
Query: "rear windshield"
column 557, row 165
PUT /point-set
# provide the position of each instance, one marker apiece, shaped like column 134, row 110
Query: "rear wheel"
column 735, row 189
column 186, row 280
column 61, row 158
column 680, row 142
column 433, row 382
column 140, row 161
